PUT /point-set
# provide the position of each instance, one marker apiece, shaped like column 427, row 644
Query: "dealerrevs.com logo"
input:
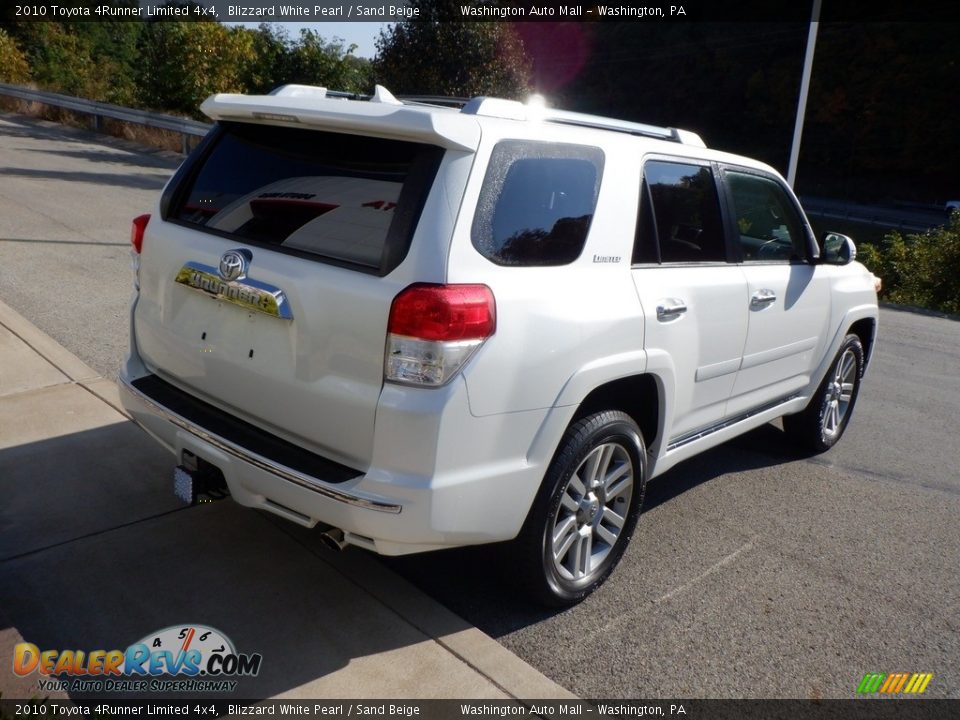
column 200, row 658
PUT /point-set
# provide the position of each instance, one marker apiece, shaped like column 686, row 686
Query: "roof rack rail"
column 500, row 108
column 515, row 110
column 441, row 100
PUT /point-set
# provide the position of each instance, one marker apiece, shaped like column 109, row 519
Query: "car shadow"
column 96, row 554
column 139, row 160
column 140, row 181
column 477, row 582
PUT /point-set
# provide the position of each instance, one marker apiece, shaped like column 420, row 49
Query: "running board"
column 690, row 437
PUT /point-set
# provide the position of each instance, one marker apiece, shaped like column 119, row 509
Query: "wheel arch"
column 636, row 395
column 866, row 330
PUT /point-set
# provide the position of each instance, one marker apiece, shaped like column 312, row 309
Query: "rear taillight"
column 136, row 232
column 136, row 242
column 434, row 330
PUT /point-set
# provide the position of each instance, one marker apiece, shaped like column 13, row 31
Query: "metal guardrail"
column 882, row 216
column 186, row 127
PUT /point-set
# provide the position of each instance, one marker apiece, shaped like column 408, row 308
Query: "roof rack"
column 500, row 108
column 439, row 100
column 514, row 110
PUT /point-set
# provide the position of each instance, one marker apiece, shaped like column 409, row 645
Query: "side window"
column 537, row 202
column 686, row 212
column 768, row 224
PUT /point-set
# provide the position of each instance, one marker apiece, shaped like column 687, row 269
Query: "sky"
column 362, row 34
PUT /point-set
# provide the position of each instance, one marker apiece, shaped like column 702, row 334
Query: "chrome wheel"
column 821, row 424
column 839, row 394
column 592, row 512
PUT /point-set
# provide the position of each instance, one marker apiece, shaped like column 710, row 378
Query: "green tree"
column 463, row 59
column 13, row 63
column 114, row 52
column 91, row 60
column 270, row 66
column 60, row 60
column 316, row 61
column 922, row 270
column 182, row 63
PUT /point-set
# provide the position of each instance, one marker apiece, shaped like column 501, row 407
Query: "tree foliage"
column 921, row 270
column 91, row 60
column 309, row 60
column 182, row 63
column 430, row 57
column 173, row 66
column 316, row 61
column 60, row 59
column 14, row 67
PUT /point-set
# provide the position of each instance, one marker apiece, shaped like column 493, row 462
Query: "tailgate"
column 262, row 291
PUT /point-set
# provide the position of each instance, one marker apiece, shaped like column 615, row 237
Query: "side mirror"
column 837, row 249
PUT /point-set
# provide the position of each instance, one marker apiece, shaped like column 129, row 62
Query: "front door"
column 788, row 306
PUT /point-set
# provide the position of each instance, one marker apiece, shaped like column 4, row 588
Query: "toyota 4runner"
column 421, row 326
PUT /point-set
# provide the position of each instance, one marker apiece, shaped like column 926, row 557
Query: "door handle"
column 762, row 298
column 670, row 309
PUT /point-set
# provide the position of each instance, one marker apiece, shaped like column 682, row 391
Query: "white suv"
column 421, row 327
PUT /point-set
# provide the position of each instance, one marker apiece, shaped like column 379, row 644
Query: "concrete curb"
column 501, row 668
column 45, row 346
column 472, row 646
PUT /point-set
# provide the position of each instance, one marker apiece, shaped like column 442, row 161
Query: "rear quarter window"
column 537, row 202
column 348, row 199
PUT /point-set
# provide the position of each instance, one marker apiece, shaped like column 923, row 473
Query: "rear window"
column 537, row 202
column 348, row 199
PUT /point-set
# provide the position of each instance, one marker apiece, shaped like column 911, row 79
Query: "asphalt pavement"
column 755, row 571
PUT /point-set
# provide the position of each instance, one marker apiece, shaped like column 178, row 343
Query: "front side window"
column 768, row 225
column 685, row 215
column 346, row 198
column 537, row 202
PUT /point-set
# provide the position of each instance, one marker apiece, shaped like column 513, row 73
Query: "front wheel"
column 586, row 510
column 821, row 424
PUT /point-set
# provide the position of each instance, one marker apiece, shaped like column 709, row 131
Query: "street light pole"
column 804, row 91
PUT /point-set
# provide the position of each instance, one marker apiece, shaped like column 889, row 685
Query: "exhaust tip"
column 333, row 539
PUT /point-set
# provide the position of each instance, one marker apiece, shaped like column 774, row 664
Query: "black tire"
column 820, row 425
column 609, row 447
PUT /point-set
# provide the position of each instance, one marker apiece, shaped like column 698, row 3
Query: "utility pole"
column 804, row 91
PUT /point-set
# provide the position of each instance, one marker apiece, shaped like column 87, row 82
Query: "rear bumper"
column 461, row 494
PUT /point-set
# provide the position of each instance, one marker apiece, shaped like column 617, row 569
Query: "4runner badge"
column 230, row 284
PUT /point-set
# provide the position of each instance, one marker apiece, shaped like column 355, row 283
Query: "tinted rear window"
column 347, row 198
column 537, row 202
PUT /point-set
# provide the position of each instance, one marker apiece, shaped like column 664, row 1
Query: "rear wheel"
column 586, row 510
column 822, row 423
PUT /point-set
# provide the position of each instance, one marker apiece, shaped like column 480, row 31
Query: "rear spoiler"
column 448, row 129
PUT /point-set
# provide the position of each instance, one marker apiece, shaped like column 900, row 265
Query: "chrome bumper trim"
column 259, row 461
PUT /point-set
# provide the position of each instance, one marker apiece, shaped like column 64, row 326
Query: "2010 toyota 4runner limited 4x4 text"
column 421, row 327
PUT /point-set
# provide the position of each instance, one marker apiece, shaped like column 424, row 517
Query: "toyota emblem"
column 234, row 264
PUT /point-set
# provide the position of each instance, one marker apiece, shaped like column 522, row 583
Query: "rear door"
column 693, row 298
column 265, row 289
